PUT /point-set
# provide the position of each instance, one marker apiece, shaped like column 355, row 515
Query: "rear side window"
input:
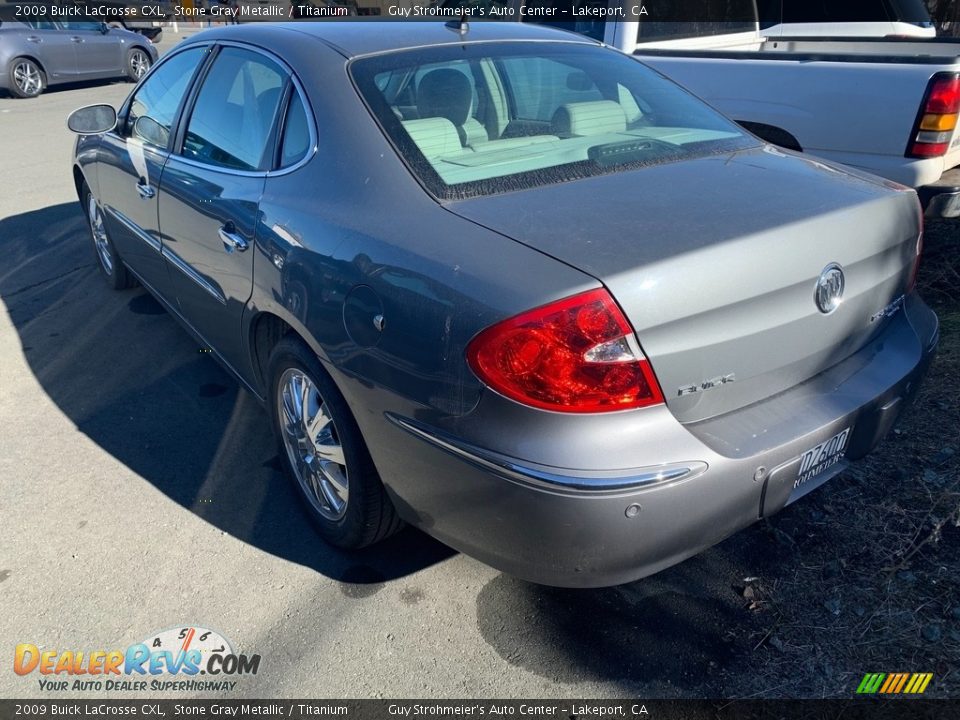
column 235, row 112
column 296, row 133
column 154, row 107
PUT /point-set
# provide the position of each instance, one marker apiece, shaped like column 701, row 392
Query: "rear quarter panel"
column 354, row 216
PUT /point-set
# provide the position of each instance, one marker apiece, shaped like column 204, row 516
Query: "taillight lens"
column 937, row 119
column 576, row 355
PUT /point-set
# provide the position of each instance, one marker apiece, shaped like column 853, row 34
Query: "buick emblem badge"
column 830, row 286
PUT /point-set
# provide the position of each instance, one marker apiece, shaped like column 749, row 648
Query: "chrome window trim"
column 124, row 111
column 297, row 86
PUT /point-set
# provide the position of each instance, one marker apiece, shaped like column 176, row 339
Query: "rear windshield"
column 484, row 118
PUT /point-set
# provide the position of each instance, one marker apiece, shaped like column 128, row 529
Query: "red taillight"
column 578, row 354
column 937, row 118
column 944, row 97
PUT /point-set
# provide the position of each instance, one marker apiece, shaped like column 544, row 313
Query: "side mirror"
column 92, row 120
column 146, row 128
column 104, row 28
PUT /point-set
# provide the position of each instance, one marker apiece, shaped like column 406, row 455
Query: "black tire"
column 26, row 78
column 138, row 63
column 367, row 515
column 107, row 257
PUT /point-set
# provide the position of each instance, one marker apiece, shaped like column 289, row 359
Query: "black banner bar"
column 635, row 709
column 733, row 12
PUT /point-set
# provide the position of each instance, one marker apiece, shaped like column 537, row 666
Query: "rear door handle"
column 144, row 190
column 33, row 39
column 231, row 240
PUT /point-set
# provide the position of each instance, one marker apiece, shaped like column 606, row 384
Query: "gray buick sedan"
column 510, row 286
column 36, row 52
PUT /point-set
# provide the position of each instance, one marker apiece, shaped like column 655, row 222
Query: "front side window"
column 514, row 116
column 154, row 107
column 235, row 112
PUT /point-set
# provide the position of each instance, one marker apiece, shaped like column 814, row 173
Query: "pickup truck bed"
column 854, row 101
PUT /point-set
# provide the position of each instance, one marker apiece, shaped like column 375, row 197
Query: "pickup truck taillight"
column 937, row 118
column 575, row 355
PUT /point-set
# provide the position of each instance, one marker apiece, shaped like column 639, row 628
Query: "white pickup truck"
column 886, row 105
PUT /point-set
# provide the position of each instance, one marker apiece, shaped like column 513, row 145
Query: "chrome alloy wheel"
column 312, row 444
column 139, row 63
column 27, row 77
column 99, row 233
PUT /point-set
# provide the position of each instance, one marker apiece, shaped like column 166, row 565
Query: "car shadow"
column 132, row 380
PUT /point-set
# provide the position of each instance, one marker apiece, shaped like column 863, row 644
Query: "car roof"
column 355, row 38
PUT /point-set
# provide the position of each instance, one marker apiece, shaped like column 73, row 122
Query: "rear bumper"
column 942, row 198
column 696, row 486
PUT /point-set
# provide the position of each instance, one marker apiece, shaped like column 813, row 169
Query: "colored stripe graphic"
column 870, row 683
column 894, row 683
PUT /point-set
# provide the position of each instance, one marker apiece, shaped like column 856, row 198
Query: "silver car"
column 36, row 53
column 510, row 286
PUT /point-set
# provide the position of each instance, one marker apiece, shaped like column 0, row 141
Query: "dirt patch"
column 869, row 572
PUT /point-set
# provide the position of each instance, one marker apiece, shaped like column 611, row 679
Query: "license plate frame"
column 819, row 459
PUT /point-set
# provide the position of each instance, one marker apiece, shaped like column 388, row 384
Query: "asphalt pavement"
column 140, row 490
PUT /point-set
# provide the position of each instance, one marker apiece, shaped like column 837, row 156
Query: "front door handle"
column 33, row 39
column 144, row 190
column 231, row 240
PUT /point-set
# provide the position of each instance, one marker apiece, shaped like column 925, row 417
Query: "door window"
column 154, row 107
column 233, row 119
column 82, row 26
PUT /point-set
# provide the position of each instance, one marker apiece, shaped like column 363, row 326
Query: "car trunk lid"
column 716, row 260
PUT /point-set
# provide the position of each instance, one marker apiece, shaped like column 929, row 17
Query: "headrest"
column 589, row 118
column 434, row 136
column 445, row 93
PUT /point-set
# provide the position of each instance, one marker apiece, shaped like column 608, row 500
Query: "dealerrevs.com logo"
column 184, row 653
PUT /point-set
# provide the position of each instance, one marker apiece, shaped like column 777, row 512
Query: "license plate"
column 822, row 457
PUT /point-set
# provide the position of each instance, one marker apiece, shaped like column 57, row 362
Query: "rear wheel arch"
column 266, row 330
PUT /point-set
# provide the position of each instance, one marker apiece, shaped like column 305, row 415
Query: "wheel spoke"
column 330, row 494
column 310, row 437
column 305, row 387
column 319, row 422
column 99, row 234
column 290, row 411
column 330, row 450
